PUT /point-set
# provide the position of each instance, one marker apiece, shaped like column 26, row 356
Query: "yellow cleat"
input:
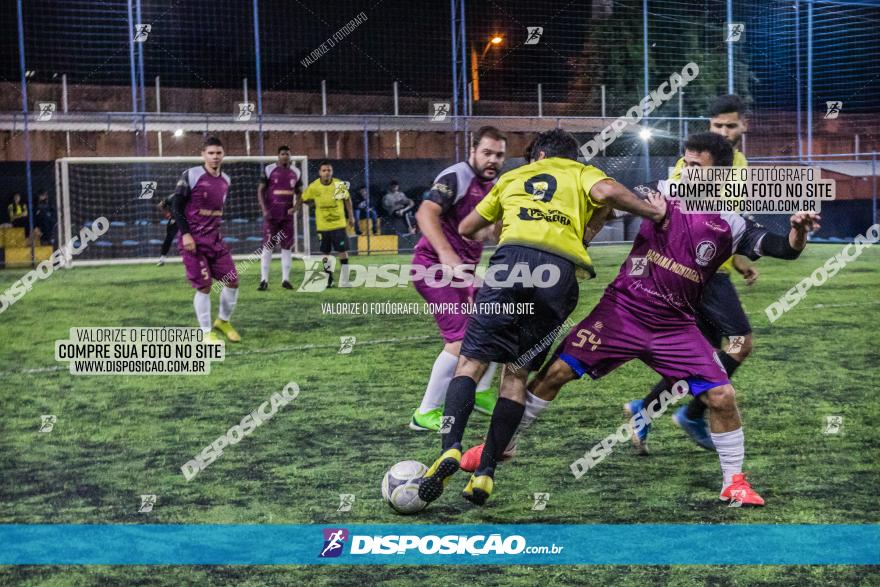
column 228, row 331
column 212, row 338
column 432, row 484
column 478, row 489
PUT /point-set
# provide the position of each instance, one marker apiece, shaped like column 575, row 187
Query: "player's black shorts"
column 720, row 313
column 336, row 240
column 519, row 337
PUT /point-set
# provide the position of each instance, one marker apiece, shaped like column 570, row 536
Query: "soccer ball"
column 400, row 487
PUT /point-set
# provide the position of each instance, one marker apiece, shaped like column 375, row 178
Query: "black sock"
column 730, row 364
column 343, row 261
column 505, row 420
column 459, row 405
column 654, row 394
column 697, row 408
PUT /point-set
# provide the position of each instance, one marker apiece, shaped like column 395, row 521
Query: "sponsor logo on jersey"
column 705, row 252
column 550, row 216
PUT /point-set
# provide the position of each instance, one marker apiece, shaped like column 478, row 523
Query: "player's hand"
column 452, row 260
column 351, row 222
column 805, row 222
column 289, row 211
column 658, row 202
column 750, row 274
column 188, row 243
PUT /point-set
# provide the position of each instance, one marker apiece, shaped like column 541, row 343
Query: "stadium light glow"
column 178, row 133
column 645, row 134
column 497, row 40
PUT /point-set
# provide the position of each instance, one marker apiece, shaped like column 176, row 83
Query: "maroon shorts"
column 611, row 335
column 452, row 323
column 210, row 260
column 278, row 231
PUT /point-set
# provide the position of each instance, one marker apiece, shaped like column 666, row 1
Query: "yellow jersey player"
column 331, row 201
column 530, row 289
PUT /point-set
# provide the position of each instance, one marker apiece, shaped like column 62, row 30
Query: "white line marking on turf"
column 846, row 305
column 301, row 347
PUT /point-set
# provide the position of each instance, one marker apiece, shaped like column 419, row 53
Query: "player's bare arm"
column 472, row 224
column 428, row 218
column 745, row 268
column 613, row 194
column 350, row 210
column 802, row 224
column 261, row 197
column 297, row 194
column 599, row 219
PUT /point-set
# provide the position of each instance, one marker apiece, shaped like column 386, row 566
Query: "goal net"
column 126, row 190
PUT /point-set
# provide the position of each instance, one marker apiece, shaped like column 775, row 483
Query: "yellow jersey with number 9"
column 545, row 205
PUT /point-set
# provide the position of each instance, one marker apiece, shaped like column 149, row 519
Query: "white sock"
column 265, row 261
column 534, row 406
column 227, row 302
column 286, row 261
column 202, row 304
column 731, row 451
column 441, row 374
column 486, row 381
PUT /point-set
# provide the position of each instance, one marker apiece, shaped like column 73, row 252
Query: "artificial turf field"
column 118, row 437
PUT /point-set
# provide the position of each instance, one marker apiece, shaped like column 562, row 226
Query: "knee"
column 470, row 368
column 205, row 290
column 721, row 398
column 232, row 284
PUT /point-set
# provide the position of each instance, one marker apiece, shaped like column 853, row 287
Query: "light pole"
column 494, row 40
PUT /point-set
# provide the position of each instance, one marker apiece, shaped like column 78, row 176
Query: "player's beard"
column 481, row 171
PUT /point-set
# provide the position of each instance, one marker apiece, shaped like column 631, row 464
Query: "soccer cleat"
column 228, row 331
column 430, row 420
column 479, row 488
column 639, row 437
column 286, row 284
column 161, row 262
column 470, row 460
column 740, row 491
column 432, row 484
column 484, row 401
column 696, row 429
column 212, row 338
column 264, row 285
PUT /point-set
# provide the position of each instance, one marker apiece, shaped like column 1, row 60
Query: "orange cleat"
column 741, row 492
column 470, row 460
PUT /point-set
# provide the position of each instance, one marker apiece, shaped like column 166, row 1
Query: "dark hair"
column 527, row 154
column 715, row 145
column 324, row 162
column 212, row 142
column 283, row 148
column 487, row 131
column 394, row 182
column 727, row 104
column 555, row 143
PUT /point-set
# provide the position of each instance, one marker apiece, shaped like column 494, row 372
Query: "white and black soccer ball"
column 400, row 487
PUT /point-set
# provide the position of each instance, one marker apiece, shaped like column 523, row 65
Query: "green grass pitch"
column 118, row 437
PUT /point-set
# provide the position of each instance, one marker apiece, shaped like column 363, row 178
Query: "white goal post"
column 126, row 190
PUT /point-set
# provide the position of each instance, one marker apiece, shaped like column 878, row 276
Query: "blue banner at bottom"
column 418, row 544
